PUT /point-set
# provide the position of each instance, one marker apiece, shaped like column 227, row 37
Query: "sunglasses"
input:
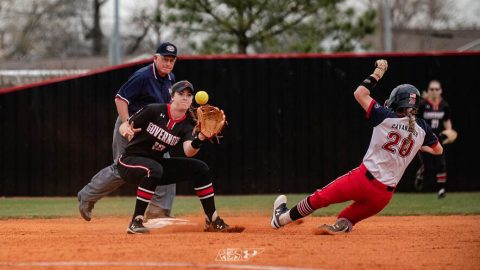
column 434, row 89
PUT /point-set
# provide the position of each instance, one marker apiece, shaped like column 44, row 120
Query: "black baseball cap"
column 167, row 49
column 182, row 85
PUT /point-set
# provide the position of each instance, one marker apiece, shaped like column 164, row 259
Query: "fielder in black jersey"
column 153, row 131
column 436, row 112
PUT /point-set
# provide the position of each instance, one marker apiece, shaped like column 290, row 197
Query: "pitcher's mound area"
column 423, row 242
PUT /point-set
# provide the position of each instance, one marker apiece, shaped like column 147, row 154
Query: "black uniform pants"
column 149, row 173
column 433, row 165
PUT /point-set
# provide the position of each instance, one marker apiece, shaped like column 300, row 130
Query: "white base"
column 156, row 223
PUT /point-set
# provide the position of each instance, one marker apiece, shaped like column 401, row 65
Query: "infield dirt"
column 411, row 242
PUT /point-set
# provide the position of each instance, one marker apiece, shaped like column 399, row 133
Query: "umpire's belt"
column 377, row 183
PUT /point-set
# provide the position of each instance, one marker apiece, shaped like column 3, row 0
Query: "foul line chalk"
column 153, row 264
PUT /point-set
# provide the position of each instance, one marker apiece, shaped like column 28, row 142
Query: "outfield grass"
column 464, row 203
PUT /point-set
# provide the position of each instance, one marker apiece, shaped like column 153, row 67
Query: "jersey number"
column 393, row 142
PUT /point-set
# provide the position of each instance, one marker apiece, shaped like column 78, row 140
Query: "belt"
column 371, row 178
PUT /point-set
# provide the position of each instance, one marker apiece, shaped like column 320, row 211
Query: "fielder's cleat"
column 441, row 194
column 154, row 212
column 136, row 226
column 85, row 208
column 218, row 225
column 279, row 207
column 340, row 227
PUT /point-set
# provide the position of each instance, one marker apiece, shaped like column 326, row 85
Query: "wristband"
column 369, row 82
column 197, row 143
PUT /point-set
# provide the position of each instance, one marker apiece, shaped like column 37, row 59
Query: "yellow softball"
column 201, row 97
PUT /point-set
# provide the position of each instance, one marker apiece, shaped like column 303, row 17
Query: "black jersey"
column 159, row 131
column 435, row 115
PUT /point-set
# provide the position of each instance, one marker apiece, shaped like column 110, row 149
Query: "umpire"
column 150, row 84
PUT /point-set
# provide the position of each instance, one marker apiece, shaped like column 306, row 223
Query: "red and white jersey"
column 390, row 152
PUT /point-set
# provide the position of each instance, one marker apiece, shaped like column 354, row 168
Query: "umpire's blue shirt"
column 145, row 87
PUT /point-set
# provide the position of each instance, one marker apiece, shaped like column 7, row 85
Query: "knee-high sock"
column 302, row 209
column 145, row 191
column 143, row 199
column 207, row 198
column 441, row 180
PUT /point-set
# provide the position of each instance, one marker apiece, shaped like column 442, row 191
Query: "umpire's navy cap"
column 182, row 85
column 167, row 49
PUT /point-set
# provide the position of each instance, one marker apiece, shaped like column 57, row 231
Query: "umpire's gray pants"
column 108, row 179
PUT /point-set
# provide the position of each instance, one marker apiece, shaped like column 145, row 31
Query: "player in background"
column 396, row 138
column 436, row 112
column 153, row 131
column 147, row 85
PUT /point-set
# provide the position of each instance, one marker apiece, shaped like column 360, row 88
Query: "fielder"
column 436, row 112
column 397, row 136
column 148, row 85
column 154, row 130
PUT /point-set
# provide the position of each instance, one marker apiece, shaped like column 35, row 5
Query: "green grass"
column 465, row 203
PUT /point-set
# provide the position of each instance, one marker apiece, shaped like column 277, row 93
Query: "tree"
column 39, row 28
column 94, row 30
column 425, row 18
column 50, row 28
column 269, row 25
column 148, row 24
column 418, row 14
column 146, row 27
column 332, row 29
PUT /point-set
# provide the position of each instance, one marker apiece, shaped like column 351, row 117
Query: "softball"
column 201, row 97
